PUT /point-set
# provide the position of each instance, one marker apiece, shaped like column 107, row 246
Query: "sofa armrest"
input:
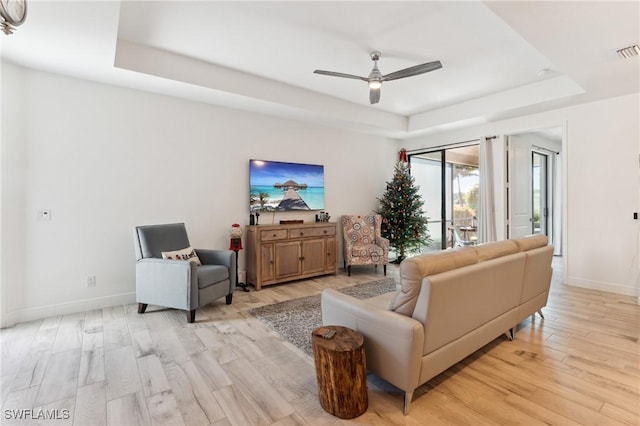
column 164, row 282
column 393, row 342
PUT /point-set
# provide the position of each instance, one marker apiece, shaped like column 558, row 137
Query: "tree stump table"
column 340, row 370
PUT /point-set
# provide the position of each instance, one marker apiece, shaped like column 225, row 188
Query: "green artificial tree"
column 404, row 222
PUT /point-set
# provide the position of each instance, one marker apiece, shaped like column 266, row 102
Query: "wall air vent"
column 628, row 52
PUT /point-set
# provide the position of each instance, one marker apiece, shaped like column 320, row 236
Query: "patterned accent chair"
column 363, row 244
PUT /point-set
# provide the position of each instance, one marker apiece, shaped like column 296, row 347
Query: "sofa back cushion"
column 453, row 303
column 490, row 251
column 537, row 272
column 414, row 269
column 531, row 242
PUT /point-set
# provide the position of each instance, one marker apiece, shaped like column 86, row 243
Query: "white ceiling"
column 260, row 56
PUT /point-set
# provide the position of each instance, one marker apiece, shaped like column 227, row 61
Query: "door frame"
column 562, row 126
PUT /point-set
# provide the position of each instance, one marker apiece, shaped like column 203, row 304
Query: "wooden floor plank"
column 60, row 379
column 121, row 373
column 195, row 400
column 91, row 405
column 129, row 409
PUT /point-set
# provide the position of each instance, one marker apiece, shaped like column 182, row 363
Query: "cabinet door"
column 313, row 256
column 288, row 259
column 266, row 262
column 331, row 255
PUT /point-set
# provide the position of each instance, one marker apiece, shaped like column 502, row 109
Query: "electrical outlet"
column 91, row 280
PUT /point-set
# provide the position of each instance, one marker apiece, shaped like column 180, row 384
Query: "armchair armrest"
column 220, row 257
column 216, row 257
column 384, row 243
column 393, row 342
column 164, row 282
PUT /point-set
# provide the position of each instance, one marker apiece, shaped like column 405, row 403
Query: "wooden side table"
column 340, row 371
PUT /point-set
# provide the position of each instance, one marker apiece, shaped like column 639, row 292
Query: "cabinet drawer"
column 274, row 234
column 312, row 232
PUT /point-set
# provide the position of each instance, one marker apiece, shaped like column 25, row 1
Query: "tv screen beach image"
column 280, row 186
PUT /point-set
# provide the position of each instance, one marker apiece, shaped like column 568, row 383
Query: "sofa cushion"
column 531, row 241
column 414, row 269
column 490, row 251
column 211, row 274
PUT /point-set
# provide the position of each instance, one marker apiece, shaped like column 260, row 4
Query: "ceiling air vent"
column 629, row 51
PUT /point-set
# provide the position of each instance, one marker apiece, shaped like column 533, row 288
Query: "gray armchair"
column 179, row 284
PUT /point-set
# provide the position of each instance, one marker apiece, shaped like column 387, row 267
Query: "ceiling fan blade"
column 411, row 71
column 374, row 95
column 340, row 74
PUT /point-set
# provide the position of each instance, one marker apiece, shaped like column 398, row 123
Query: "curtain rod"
column 435, row 148
column 541, row 148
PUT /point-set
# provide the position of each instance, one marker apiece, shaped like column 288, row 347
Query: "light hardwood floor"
column 579, row 365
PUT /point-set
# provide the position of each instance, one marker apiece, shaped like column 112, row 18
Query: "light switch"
column 44, row 215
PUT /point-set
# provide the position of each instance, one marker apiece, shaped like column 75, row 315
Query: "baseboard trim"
column 31, row 314
column 604, row 286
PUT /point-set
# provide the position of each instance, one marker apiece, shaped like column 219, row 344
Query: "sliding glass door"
column 540, row 209
column 449, row 183
column 429, row 167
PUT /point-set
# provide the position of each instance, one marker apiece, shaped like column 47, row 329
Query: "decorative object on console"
column 404, row 221
column 278, row 186
column 13, row 13
column 235, row 244
column 323, row 217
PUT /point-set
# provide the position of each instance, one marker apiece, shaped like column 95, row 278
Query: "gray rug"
column 295, row 319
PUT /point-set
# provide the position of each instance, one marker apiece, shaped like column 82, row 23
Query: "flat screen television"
column 279, row 186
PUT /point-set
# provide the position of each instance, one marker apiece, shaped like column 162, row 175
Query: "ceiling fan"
column 376, row 78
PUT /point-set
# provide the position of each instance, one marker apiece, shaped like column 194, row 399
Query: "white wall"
column 601, row 171
column 104, row 159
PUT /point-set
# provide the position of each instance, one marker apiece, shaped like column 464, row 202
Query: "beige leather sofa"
column 449, row 304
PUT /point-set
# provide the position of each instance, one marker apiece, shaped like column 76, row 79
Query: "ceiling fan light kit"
column 376, row 78
column 13, row 13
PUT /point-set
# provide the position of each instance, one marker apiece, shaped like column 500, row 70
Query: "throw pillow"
column 184, row 254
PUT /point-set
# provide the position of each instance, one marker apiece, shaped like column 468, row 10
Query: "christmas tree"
column 404, row 222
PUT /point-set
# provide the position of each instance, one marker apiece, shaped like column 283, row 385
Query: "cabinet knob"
column 274, row 235
column 325, row 231
column 301, row 234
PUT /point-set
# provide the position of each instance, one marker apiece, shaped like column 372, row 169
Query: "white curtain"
column 487, row 214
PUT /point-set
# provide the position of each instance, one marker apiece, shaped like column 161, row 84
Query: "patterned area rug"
column 295, row 319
